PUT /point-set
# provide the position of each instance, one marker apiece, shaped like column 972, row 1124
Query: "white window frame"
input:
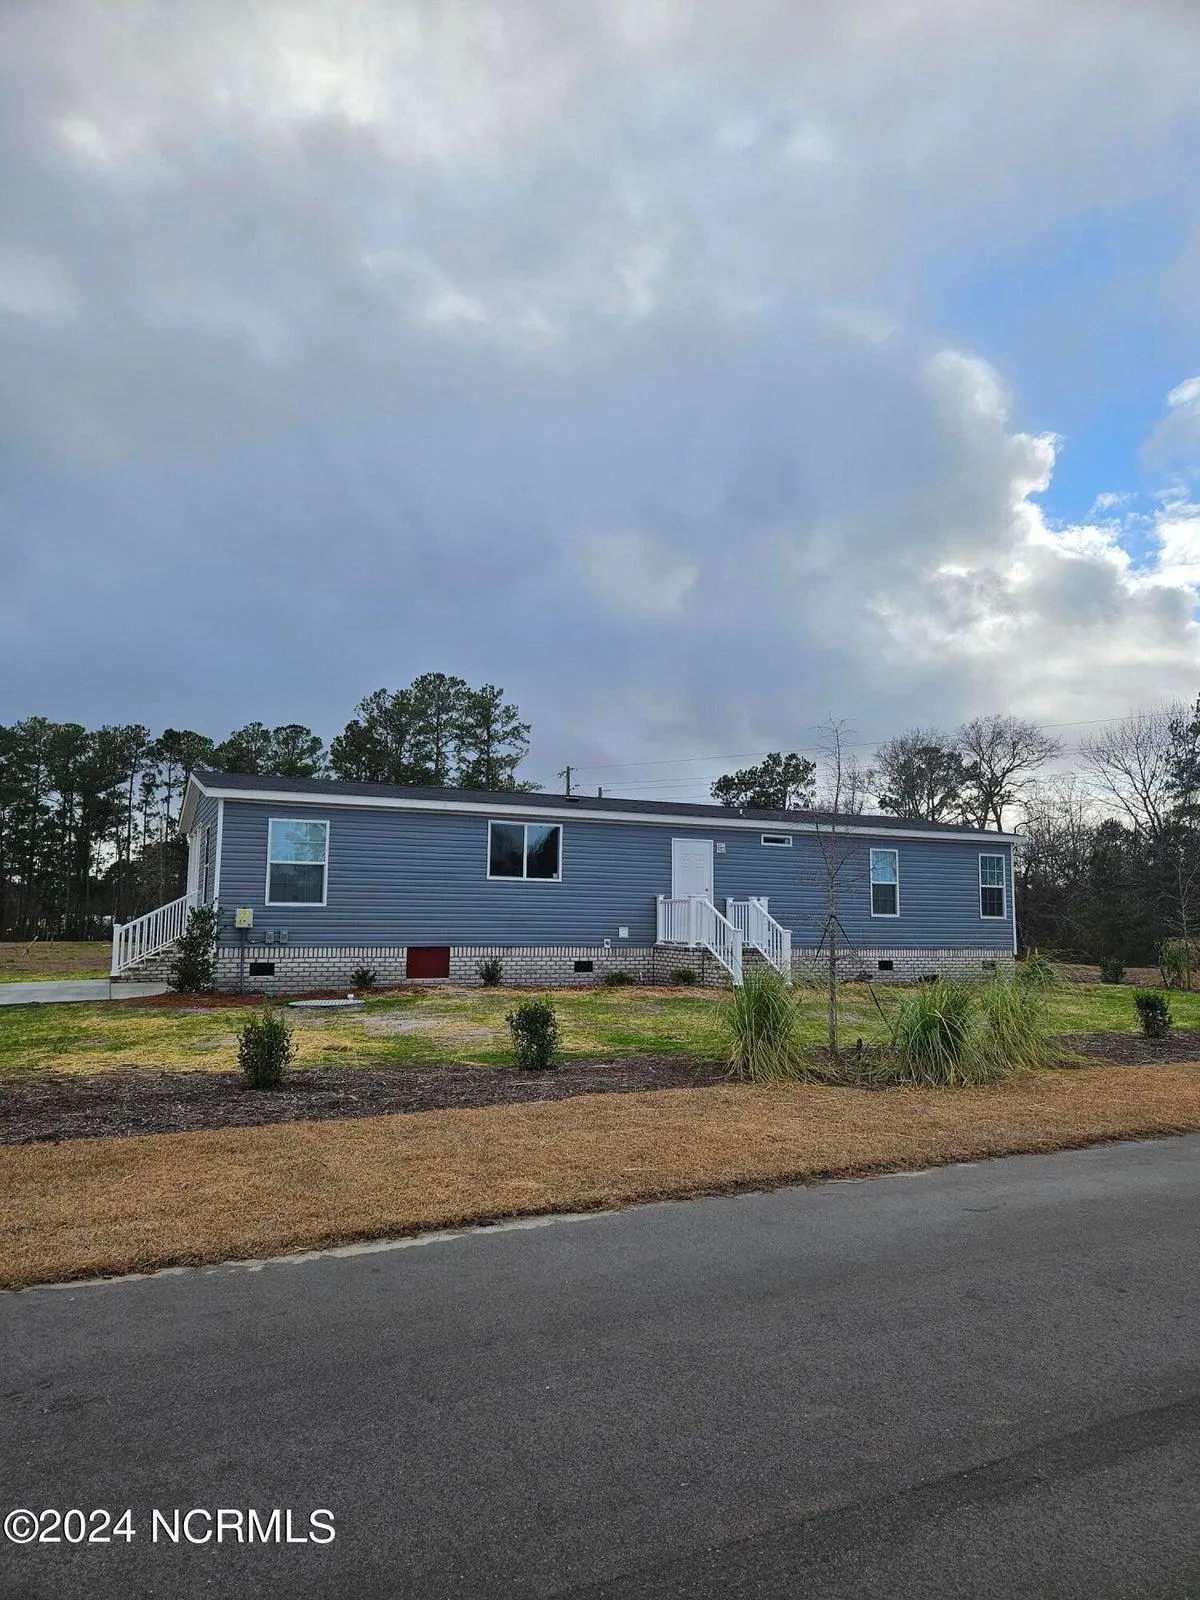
column 882, row 850
column 299, row 904
column 521, row 822
column 776, row 841
column 993, row 855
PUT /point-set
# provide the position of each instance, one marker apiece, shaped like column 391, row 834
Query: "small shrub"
column 1154, row 1013
column 364, row 978
column 265, row 1049
column 1112, row 969
column 1179, row 962
column 534, row 1029
column 760, row 1024
column 193, row 969
column 616, row 980
column 685, row 977
column 1036, row 970
column 491, row 972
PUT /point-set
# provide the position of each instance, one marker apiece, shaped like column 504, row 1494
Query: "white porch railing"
column 760, row 929
column 697, row 922
column 146, row 936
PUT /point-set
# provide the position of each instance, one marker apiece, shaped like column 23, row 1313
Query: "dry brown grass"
column 54, row 958
column 117, row 1205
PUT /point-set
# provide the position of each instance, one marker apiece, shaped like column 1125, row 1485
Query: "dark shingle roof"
column 334, row 788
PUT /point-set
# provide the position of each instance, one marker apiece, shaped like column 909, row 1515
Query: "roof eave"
column 572, row 810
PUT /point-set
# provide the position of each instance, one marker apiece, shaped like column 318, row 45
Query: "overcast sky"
column 694, row 371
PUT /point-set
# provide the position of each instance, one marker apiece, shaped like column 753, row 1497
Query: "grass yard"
column 88, row 1206
column 467, row 1026
column 24, row 963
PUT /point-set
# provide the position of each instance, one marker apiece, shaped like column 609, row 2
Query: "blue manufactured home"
column 428, row 883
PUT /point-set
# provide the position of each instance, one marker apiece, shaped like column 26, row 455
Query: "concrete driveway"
column 980, row 1381
column 53, row 991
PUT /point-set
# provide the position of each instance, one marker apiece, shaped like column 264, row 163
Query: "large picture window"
column 991, row 886
column 525, row 850
column 297, row 857
column 885, row 883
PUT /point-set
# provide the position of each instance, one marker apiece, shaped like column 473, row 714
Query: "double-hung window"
column 297, row 862
column 991, row 886
column 885, row 883
column 525, row 850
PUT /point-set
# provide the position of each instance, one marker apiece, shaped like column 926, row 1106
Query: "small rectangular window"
column 585, row 966
column 885, row 883
column 991, row 886
column 778, row 841
column 297, row 857
column 262, row 969
column 525, row 850
column 886, row 966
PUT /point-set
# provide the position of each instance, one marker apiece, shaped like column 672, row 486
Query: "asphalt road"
column 982, row 1381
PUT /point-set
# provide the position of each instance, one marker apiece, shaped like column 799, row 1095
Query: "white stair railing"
column 146, row 936
column 760, row 930
column 694, row 921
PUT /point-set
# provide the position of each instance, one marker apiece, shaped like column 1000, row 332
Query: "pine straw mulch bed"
column 141, row 1100
column 145, row 1100
column 83, row 1207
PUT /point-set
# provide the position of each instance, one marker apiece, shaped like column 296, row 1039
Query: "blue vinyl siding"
column 206, row 817
column 407, row 877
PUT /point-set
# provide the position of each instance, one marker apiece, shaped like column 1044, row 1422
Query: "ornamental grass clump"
column 1179, row 962
column 1015, row 1028
column 935, row 1038
column 1036, row 970
column 953, row 1035
column 534, row 1029
column 266, row 1049
column 760, row 1023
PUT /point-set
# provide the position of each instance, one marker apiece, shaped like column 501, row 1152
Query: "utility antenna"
column 566, row 774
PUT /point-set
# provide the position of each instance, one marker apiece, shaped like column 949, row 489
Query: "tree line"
column 89, row 817
column 1108, row 862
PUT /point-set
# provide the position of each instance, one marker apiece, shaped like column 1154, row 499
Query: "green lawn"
column 468, row 1026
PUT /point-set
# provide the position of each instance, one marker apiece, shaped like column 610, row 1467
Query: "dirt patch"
column 226, row 1002
column 53, row 958
column 1081, row 972
column 88, row 1206
column 143, row 1100
column 1133, row 1049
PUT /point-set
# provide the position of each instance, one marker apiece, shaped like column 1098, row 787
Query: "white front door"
column 691, row 868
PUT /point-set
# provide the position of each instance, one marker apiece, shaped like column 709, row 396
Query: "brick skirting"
column 302, row 967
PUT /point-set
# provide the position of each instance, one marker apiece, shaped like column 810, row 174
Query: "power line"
column 757, row 755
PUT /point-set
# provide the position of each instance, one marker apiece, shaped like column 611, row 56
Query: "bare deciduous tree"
column 843, row 793
column 1002, row 755
column 1131, row 764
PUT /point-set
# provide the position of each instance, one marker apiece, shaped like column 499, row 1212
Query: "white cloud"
column 413, row 294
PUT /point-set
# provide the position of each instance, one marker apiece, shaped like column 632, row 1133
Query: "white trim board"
column 568, row 813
